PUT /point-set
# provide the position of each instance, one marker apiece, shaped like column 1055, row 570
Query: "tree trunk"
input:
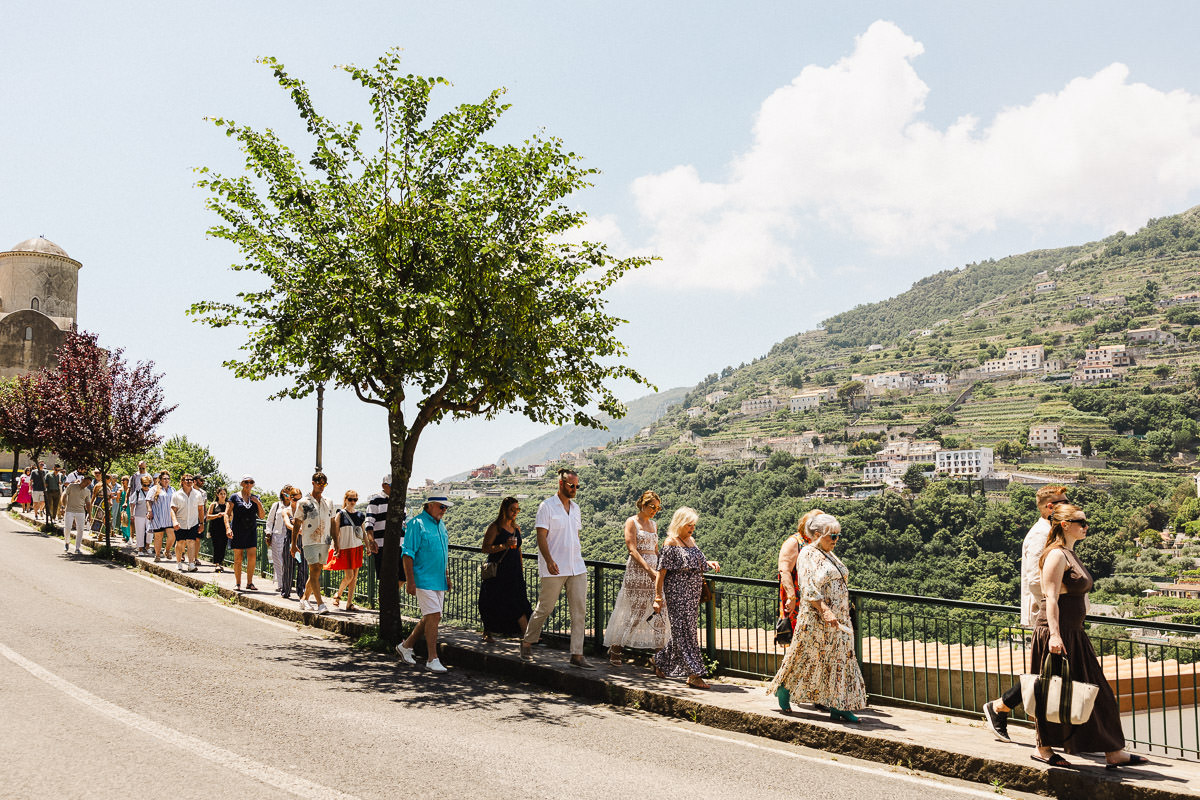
column 391, row 622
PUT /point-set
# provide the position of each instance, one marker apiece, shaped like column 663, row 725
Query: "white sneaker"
column 305, row 605
column 435, row 666
column 321, row 609
column 406, row 654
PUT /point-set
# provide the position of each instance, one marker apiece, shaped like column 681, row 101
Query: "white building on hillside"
column 1044, row 437
column 695, row 411
column 977, row 463
column 1113, row 355
column 883, row 381
column 1046, row 286
column 712, row 398
column 1151, row 335
column 1017, row 359
column 759, row 405
column 1096, row 374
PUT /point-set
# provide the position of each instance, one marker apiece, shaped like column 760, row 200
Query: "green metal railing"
column 927, row 652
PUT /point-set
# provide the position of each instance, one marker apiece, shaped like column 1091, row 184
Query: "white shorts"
column 39, row 497
column 430, row 601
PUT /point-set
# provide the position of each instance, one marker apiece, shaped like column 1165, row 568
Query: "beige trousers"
column 548, row 595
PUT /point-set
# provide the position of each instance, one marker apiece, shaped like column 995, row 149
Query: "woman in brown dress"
column 1059, row 629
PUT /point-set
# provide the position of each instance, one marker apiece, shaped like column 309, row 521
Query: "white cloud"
column 843, row 149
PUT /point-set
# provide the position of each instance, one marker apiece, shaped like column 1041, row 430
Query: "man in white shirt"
column 560, row 563
column 188, row 504
column 995, row 712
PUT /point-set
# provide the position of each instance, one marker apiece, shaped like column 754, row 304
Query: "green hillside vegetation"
column 939, row 541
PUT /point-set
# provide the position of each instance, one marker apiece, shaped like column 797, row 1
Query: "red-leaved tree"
column 22, row 407
column 100, row 409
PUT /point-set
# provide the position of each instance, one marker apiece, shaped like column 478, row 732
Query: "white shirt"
column 314, row 516
column 562, row 537
column 188, row 507
column 1031, row 573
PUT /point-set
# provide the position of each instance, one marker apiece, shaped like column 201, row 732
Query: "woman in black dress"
column 681, row 568
column 503, row 600
column 1059, row 629
column 242, row 513
column 217, row 533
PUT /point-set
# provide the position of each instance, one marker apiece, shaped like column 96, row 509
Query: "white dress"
column 628, row 625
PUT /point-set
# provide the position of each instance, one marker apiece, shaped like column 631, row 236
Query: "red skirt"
column 349, row 559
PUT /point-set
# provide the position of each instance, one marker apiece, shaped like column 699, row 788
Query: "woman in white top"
column 633, row 622
column 278, row 533
column 138, row 501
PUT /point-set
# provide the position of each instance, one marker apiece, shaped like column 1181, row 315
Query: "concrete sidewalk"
column 953, row 746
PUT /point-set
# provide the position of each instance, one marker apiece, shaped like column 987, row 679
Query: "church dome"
column 39, row 244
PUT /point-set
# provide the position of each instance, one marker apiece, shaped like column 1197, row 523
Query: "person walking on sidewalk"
column 162, row 517
column 24, row 493
column 1058, row 630
column 278, row 537
column 218, row 532
column 995, row 712
column 560, row 565
column 242, row 513
column 37, row 488
column 789, row 579
column 75, row 502
column 503, row 599
column 198, row 487
column 310, row 529
column 376, row 524
column 633, row 622
column 347, row 533
column 54, row 484
column 820, row 666
column 138, row 505
column 427, row 567
column 188, row 505
column 677, row 590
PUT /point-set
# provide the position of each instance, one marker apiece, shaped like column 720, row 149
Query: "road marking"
column 293, row 784
column 830, row 761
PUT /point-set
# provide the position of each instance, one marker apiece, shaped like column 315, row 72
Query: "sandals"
column 250, row 587
column 696, row 682
column 1134, row 761
column 658, row 672
column 614, row 657
column 1055, row 760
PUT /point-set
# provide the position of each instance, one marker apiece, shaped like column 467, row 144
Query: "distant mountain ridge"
column 572, row 438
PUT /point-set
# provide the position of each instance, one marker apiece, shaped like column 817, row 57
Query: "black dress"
column 1102, row 732
column 244, row 524
column 503, row 600
column 217, row 533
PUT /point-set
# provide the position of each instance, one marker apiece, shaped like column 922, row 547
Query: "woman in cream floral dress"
column 820, row 666
column 633, row 622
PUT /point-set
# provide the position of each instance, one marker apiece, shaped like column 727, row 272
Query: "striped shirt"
column 377, row 509
column 160, row 507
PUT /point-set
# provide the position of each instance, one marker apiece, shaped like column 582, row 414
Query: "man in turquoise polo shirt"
column 426, row 555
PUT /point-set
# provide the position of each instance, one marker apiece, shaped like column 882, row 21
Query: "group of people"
column 1054, row 602
column 657, row 607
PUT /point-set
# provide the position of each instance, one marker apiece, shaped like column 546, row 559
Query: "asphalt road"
column 114, row 684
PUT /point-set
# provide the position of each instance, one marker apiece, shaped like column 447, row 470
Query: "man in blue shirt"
column 426, row 555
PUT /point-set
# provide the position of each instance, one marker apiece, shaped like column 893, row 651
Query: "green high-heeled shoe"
column 845, row 716
column 785, row 699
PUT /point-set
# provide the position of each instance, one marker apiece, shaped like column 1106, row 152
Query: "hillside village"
column 986, row 393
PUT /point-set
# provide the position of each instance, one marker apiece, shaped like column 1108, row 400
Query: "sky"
column 785, row 161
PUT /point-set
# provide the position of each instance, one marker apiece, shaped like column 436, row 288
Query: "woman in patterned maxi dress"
column 820, row 666
column 681, row 568
column 633, row 623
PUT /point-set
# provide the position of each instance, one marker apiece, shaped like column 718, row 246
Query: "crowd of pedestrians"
column 656, row 609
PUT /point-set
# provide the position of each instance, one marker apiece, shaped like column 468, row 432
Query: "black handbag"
column 783, row 631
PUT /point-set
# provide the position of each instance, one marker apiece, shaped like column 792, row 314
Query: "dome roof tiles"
column 39, row 244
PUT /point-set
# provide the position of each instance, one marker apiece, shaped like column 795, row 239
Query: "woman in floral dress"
column 789, row 582
column 681, row 568
column 633, row 623
column 820, row 666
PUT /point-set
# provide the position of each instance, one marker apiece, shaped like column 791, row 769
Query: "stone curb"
column 1089, row 782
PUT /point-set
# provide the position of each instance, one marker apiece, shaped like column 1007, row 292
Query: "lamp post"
column 320, row 420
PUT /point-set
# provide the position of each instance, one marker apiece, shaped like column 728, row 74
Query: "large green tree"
column 428, row 270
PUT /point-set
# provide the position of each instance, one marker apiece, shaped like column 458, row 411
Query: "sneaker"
column 78, row 552
column 321, row 609
column 406, row 654
column 579, row 662
column 435, row 666
column 179, row 566
column 304, row 605
column 195, row 567
column 996, row 721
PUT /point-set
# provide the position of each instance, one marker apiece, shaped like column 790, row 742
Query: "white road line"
column 830, row 762
column 264, row 773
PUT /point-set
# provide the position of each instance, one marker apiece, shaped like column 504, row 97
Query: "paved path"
column 116, row 684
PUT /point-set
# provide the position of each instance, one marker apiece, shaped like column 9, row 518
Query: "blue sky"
column 786, row 160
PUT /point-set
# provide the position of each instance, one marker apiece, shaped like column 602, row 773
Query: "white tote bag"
column 1056, row 698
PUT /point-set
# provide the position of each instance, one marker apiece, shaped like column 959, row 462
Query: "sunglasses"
column 440, row 506
column 571, row 485
column 1083, row 523
column 834, row 536
column 249, row 482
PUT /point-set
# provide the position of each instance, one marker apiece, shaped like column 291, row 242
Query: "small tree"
column 914, row 477
column 99, row 409
column 431, row 274
column 22, row 410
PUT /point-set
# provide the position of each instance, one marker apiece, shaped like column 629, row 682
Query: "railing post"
column 597, row 608
column 710, row 626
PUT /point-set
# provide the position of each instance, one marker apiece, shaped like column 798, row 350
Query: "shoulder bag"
column 489, row 569
column 1057, row 698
